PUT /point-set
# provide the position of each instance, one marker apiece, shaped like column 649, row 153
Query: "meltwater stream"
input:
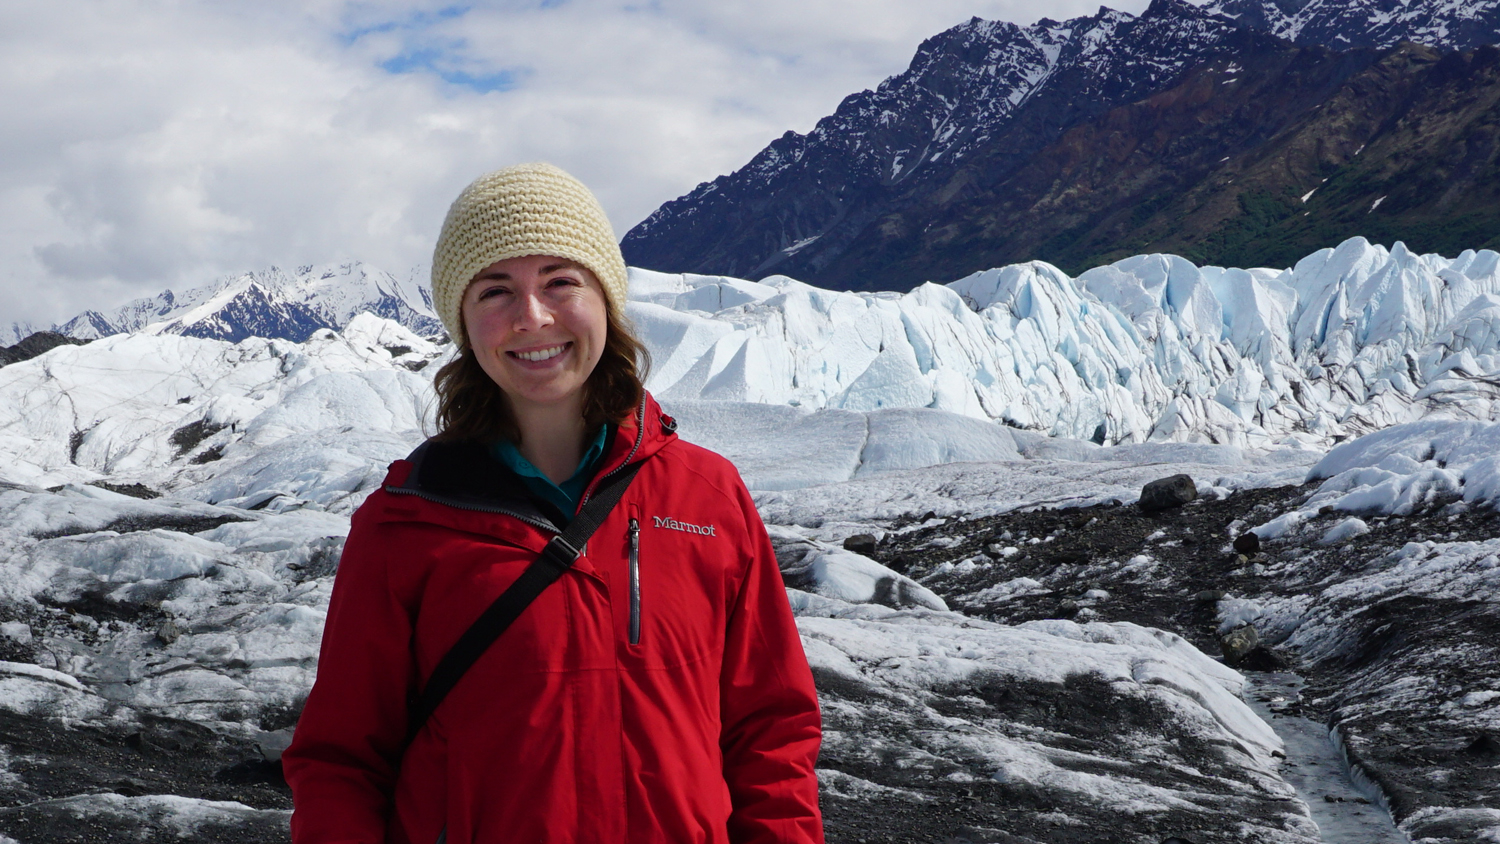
column 1344, row 813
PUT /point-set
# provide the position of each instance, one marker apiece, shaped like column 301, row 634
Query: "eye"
column 490, row 292
column 564, row 281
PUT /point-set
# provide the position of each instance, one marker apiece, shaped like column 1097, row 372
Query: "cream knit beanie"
column 528, row 209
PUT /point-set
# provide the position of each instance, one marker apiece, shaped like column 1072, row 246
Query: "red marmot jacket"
column 697, row 723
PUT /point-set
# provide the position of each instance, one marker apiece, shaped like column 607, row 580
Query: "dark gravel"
column 1419, row 755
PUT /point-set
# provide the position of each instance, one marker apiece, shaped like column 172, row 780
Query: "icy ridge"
column 1148, row 349
column 1151, row 348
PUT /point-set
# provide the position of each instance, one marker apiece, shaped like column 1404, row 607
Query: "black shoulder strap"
column 555, row 559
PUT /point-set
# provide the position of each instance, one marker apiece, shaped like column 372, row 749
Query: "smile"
column 541, row 354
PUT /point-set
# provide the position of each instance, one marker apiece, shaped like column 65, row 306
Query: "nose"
column 532, row 313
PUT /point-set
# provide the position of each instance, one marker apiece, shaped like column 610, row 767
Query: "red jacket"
column 705, row 729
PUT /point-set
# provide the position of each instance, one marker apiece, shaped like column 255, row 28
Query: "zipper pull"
column 635, row 582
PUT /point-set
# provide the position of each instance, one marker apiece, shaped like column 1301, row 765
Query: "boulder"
column 1238, row 643
column 860, row 543
column 1247, row 543
column 833, row 572
column 1485, row 746
column 1166, row 493
column 168, row 632
column 1262, row 658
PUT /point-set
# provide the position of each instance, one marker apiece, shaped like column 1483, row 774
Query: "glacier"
column 1152, row 348
column 113, row 408
column 804, row 387
column 1149, row 349
column 1368, row 373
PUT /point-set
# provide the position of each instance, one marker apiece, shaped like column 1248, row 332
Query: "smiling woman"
column 652, row 688
column 537, row 325
column 543, row 341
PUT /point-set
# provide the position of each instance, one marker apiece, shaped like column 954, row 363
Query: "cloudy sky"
column 155, row 144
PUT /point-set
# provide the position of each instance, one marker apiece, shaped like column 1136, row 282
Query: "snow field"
column 184, row 816
column 1399, row 470
column 926, row 648
column 919, row 657
column 216, row 626
column 986, row 488
column 843, row 412
column 111, row 408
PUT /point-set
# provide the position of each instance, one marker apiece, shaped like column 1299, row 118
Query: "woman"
column 657, row 691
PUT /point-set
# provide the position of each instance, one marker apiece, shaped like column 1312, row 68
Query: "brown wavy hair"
column 471, row 406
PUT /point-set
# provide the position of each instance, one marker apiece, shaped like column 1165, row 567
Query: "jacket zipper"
column 635, row 582
column 640, row 435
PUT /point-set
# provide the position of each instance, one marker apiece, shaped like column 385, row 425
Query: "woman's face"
column 537, row 325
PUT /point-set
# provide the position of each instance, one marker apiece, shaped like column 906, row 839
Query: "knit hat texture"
column 528, row 209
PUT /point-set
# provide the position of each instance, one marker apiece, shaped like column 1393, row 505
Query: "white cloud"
column 161, row 144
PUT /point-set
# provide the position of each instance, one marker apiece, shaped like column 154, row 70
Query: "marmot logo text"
column 673, row 524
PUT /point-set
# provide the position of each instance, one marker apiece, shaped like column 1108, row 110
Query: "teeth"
column 540, row 354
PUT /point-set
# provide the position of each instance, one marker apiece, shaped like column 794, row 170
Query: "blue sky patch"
column 443, row 63
column 414, row 22
column 423, row 51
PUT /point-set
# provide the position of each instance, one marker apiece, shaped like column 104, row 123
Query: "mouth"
column 539, row 355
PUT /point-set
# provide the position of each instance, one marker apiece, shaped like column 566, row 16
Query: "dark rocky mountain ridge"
column 796, row 207
column 1082, row 141
column 1344, row 25
column 1256, row 161
column 36, row 344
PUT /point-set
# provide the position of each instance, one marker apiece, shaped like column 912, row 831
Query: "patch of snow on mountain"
column 1451, row 24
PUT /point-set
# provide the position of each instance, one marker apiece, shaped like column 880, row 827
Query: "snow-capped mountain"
column 273, row 304
column 1002, row 143
column 1346, row 24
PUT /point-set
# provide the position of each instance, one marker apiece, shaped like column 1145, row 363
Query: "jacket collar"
column 636, row 439
column 465, row 475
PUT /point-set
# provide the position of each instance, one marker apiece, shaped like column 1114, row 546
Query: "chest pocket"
column 676, row 611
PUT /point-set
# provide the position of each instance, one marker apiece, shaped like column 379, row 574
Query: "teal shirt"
column 563, row 496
